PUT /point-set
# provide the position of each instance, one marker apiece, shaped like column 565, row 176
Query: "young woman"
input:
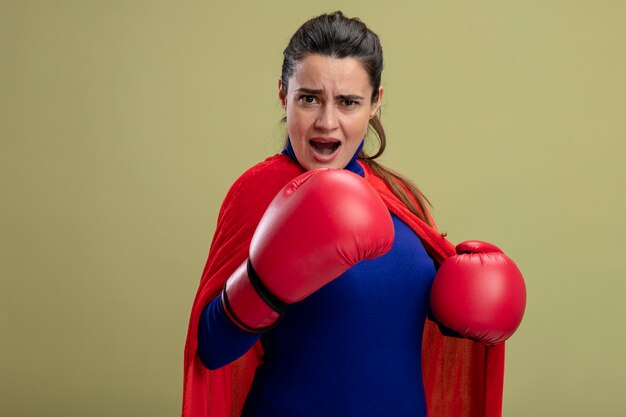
column 315, row 297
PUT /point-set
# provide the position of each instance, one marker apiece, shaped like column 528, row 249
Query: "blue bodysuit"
column 353, row 348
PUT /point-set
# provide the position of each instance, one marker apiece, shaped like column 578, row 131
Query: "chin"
column 317, row 164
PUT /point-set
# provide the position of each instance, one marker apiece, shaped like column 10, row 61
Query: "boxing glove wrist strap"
column 276, row 305
column 269, row 298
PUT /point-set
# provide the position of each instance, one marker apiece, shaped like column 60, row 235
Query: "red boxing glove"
column 479, row 293
column 319, row 225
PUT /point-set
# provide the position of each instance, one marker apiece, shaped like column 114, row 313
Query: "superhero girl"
column 316, row 296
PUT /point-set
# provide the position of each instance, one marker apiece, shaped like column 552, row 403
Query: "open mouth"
column 325, row 146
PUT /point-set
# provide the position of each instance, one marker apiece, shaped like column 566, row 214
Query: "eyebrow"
column 339, row 97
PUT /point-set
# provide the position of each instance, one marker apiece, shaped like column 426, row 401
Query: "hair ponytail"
column 393, row 179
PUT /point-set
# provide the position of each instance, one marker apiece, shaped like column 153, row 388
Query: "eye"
column 308, row 99
column 349, row 103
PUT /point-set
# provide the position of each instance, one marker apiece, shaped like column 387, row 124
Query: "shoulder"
column 253, row 191
column 380, row 184
column 395, row 184
column 243, row 207
column 263, row 181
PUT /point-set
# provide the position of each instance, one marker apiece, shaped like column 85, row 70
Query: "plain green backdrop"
column 123, row 123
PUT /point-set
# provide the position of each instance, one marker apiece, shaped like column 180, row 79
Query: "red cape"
column 461, row 377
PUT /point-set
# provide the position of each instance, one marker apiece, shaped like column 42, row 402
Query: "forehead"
column 334, row 74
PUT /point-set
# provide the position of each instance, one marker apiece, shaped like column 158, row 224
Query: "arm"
column 316, row 228
column 319, row 225
column 219, row 340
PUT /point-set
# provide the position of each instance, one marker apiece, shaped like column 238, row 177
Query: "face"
column 328, row 106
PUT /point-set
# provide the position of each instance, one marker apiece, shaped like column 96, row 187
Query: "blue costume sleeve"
column 219, row 340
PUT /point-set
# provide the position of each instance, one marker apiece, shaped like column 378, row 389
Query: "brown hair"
column 337, row 36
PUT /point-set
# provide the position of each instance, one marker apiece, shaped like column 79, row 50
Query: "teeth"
column 325, row 151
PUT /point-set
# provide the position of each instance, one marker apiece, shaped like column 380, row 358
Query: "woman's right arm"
column 318, row 226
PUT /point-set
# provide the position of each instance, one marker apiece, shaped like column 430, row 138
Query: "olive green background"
column 123, row 123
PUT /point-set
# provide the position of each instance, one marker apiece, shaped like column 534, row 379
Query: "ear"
column 281, row 96
column 376, row 105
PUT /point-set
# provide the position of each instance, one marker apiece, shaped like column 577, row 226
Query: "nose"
column 327, row 118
